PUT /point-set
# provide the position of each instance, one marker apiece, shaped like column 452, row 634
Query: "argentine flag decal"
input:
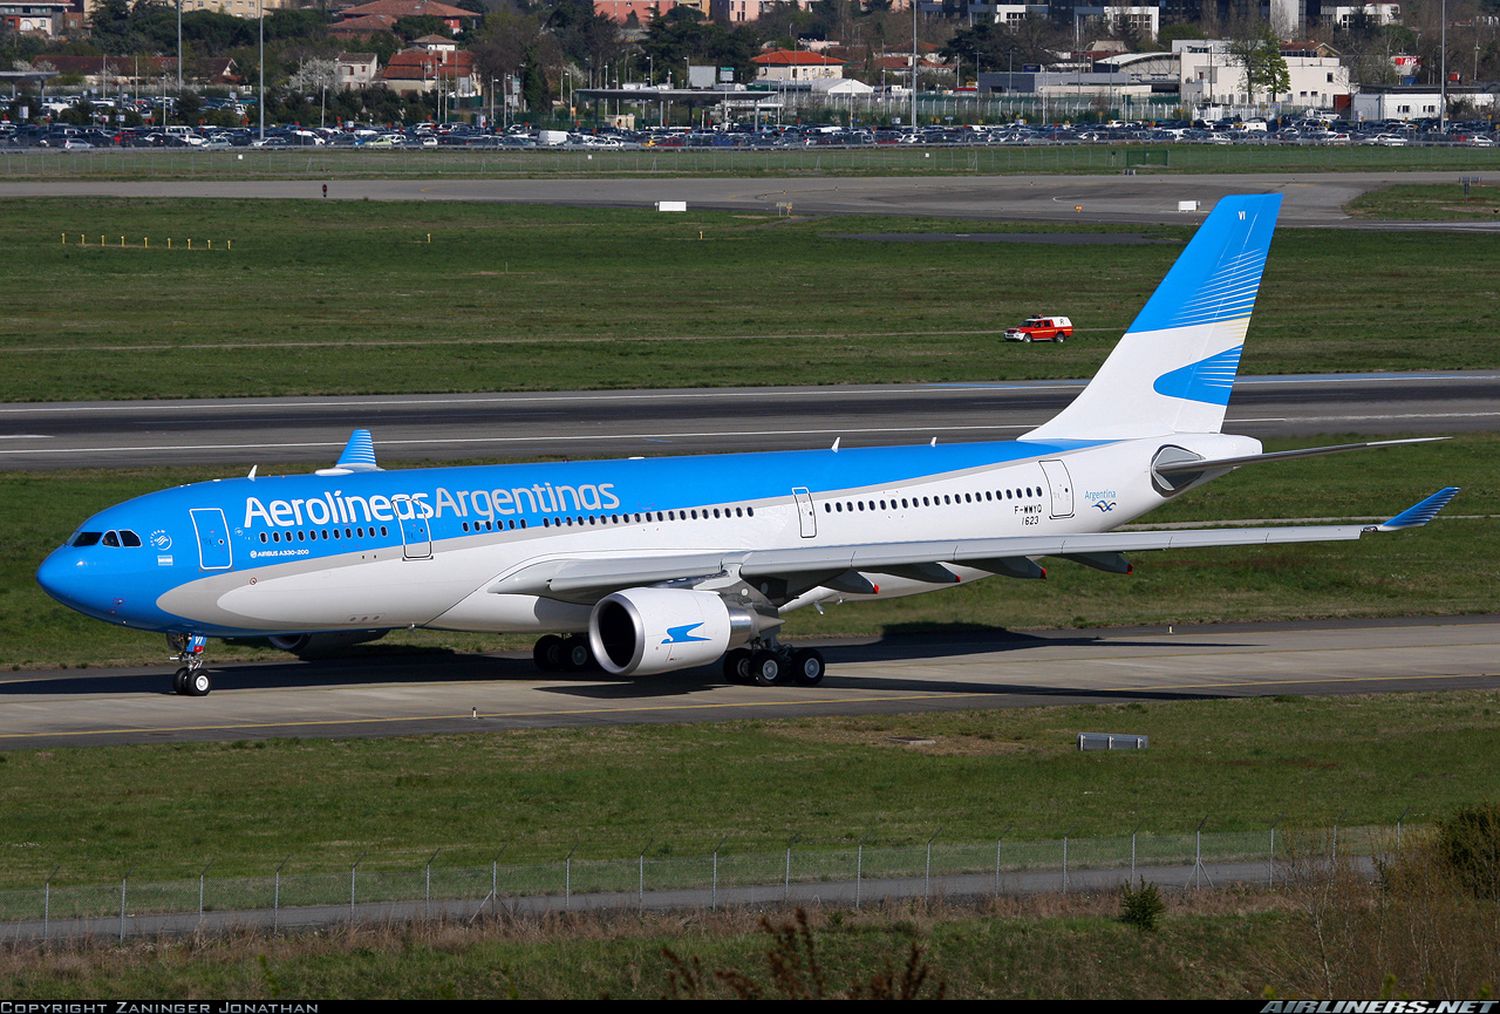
column 1208, row 380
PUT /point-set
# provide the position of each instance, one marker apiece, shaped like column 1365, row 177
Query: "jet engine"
column 323, row 645
column 653, row 630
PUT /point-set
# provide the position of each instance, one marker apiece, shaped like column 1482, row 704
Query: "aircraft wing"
column 809, row 566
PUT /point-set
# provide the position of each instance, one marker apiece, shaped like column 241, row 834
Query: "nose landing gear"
column 192, row 680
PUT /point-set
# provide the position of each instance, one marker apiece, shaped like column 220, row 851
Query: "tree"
column 1255, row 47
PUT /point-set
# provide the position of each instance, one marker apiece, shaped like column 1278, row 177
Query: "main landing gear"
column 192, row 679
column 564, row 654
column 774, row 665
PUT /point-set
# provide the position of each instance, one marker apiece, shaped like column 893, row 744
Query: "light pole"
column 914, row 65
column 1443, row 70
column 261, row 102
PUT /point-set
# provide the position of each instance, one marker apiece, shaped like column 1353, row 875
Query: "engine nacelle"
column 325, row 644
column 653, row 630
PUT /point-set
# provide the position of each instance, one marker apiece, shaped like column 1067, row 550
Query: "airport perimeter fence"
column 324, row 164
column 858, row 874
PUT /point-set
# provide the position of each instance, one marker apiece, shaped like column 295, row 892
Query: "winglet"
column 1419, row 514
column 358, row 456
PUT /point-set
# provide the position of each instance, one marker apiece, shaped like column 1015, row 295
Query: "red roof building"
column 796, row 65
column 369, row 24
column 421, row 70
column 456, row 18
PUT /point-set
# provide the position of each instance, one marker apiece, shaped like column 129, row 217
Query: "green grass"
column 1073, row 950
column 165, row 810
column 1430, row 571
column 901, row 160
column 1429, row 203
column 337, row 298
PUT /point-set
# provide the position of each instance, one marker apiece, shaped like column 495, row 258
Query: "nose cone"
column 63, row 575
column 70, row 577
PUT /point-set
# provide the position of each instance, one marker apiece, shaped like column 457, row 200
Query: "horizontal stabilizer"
column 1190, row 466
column 1419, row 514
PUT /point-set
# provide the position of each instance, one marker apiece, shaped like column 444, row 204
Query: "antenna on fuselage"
column 835, row 447
column 251, row 476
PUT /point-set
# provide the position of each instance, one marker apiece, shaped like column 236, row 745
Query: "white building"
column 1142, row 21
column 357, row 70
column 1210, row 75
column 1412, row 102
column 1375, row 13
column 795, row 65
column 1288, row 18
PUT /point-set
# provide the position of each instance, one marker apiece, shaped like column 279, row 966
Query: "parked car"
column 1041, row 329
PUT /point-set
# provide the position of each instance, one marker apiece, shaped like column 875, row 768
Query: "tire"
column 180, row 682
column 548, row 653
column 577, row 655
column 737, row 666
column 1060, row 338
column 807, row 667
column 1026, row 338
column 199, row 684
column 767, row 669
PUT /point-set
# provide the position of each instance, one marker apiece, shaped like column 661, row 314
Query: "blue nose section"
column 56, row 576
column 67, row 576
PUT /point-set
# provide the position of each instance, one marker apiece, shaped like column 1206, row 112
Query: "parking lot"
column 1254, row 133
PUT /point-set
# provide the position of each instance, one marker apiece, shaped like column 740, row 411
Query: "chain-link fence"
column 942, row 160
column 369, row 887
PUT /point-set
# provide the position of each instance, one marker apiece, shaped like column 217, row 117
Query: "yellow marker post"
column 122, row 242
column 190, row 242
column 101, row 239
column 169, row 242
column 65, row 239
column 229, row 244
column 146, row 242
column 429, row 237
column 210, row 244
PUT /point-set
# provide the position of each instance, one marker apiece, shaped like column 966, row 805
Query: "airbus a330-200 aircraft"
column 642, row 566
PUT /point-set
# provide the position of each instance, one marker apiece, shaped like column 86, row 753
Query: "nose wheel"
column 192, row 680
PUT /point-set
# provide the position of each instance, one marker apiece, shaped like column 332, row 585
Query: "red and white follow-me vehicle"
column 1040, row 329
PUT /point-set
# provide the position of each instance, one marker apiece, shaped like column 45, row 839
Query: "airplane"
column 642, row 566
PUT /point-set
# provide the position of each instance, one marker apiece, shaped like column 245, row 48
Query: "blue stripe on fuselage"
column 535, row 491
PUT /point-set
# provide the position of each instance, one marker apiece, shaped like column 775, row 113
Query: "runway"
column 1312, row 199
column 591, row 424
column 390, row 694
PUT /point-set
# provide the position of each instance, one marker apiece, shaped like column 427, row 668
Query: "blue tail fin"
column 1174, row 368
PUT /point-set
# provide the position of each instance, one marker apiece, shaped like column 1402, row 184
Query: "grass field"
column 1431, row 571
column 1444, row 203
column 749, row 786
column 1217, row 944
column 353, row 298
column 903, row 160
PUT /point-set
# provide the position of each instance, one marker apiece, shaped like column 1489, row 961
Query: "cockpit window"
column 129, row 538
column 111, row 538
column 87, row 539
